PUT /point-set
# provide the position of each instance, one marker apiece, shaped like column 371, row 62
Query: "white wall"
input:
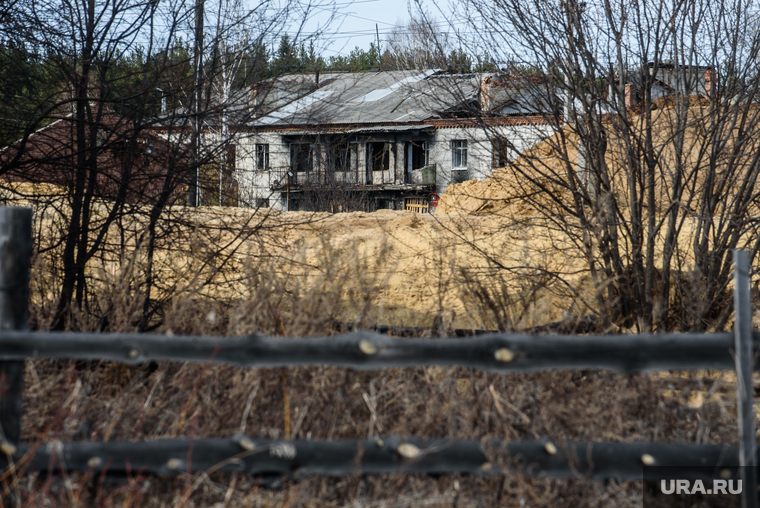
column 480, row 148
column 255, row 185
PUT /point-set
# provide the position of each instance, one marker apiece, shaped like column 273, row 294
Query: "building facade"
column 367, row 141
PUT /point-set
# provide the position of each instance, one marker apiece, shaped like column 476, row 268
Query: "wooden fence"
column 271, row 459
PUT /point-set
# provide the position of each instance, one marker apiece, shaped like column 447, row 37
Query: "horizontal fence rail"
column 302, row 458
column 369, row 350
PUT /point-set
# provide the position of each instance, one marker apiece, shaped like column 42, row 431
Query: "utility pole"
column 379, row 56
column 568, row 105
column 193, row 187
column 569, row 14
column 573, row 10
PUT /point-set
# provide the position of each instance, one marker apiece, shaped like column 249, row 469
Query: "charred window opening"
column 341, row 157
column 419, row 154
column 262, row 157
column 300, row 157
column 500, row 153
column 230, row 157
column 379, row 156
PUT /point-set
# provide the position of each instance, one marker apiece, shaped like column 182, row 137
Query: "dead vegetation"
column 103, row 401
column 303, row 274
column 100, row 401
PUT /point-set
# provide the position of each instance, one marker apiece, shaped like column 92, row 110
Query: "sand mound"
column 537, row 178
column 391, row 267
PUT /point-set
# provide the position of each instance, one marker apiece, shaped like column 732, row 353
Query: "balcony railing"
column 278, row 177
column 423, row 176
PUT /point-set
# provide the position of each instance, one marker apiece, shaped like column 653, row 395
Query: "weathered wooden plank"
column 368, row 350
column 744, row 364
column 298, row 459
column 15, row 256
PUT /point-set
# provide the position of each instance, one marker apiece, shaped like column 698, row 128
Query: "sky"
column 355, row 23
column 342, row 25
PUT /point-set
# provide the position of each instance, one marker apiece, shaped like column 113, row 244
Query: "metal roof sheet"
column 375, row 97
column 381, row 93
column 360, row 130
column 295, row 107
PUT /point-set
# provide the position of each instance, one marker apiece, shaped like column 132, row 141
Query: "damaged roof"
column 364, row 97
column 519, row 94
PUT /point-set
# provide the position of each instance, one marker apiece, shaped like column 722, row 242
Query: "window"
column 500, row 153
column 300, row 157
column 262, row 157
column 262, row 202
column 341, row 157
column 230, row 156
column 379, row 156
column 419, row 154
column 459, row 154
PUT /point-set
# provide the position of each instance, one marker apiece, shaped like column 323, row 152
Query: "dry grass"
column 103, row 401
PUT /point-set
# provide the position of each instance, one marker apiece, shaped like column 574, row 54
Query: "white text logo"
column 697, row 487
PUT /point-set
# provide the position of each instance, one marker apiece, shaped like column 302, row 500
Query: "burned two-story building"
column 373, row 140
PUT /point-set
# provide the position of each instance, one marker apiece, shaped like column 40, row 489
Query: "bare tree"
column 651, row 173
column 418, row 44
column 118, row 136
column 232, row 41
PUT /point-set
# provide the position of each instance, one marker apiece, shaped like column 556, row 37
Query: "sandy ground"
column 387, row 267
column 409, row 268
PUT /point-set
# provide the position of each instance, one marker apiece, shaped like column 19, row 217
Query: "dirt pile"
column 386, row 267
column 542, row 171
column 402, row 268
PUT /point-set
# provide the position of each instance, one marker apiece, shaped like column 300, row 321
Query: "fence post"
column 744, row 387
column 15, row 258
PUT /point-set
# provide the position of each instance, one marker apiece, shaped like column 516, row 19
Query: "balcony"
column 423, row 176
column 422, row 179
column 278, row 178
